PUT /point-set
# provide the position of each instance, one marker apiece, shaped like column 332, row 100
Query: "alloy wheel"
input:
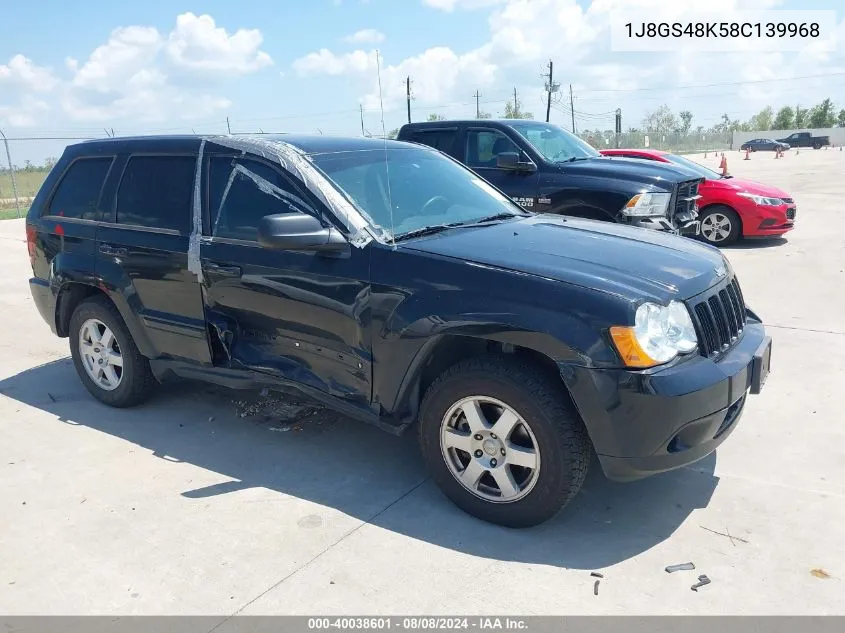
column 101, row 355
column 716, row 227
column 490, row 449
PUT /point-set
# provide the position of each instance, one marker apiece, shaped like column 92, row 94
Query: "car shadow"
column 755, row 243
column 364, row 472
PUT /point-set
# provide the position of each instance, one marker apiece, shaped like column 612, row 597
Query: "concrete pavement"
column 199, row 504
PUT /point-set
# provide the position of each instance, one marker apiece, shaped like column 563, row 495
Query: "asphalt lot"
column 198, row 504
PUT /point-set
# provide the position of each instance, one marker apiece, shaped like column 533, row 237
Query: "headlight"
column 645, row 205
column 659, row 334
column 762, row 200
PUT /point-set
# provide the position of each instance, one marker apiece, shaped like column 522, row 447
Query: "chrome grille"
column 719, row 317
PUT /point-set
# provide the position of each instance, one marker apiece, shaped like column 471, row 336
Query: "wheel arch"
column 72, row 293
column 444, row 350
column 703, row 210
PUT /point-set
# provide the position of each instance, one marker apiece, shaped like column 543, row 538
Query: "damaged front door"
column 292, row 314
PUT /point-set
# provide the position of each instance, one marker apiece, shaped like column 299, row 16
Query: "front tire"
column 720, row 225
column 105, row 356
column 503, row 441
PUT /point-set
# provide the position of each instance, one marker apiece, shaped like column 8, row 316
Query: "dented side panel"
column 300, row 316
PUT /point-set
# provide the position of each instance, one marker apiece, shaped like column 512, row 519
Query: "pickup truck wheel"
column 720, row 225
column 105, row 356
column 503, row 441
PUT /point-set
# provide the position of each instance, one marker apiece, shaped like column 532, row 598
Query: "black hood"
column 660, row 175
column 632, row 262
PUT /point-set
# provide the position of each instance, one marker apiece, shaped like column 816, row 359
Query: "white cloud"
column 21, row 72
column 128, row 51
column 197, row 44
column 25, row 114
column 365, row 36
column 139, row 74
column 328, row 63
column 451, row 5
column 524, row 34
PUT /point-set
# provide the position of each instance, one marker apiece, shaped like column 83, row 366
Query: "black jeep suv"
column 393, row 284
column 546, row 169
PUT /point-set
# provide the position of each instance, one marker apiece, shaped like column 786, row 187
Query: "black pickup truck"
column 393, row 284
column 546, row 169
column 805, row 139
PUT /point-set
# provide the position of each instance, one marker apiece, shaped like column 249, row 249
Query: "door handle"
column 234, row 271
column 108, row 249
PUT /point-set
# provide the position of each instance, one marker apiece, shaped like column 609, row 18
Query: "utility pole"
column 515, row 102
column 408, row 95
column 551, row 87
column 228, row 127
column 12, row 174
column 618, row 125
column 572, row 107
column 477, row 96
column 361, row 106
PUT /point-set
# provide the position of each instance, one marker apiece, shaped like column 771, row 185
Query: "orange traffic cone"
column 747, row 154
column 724, row 165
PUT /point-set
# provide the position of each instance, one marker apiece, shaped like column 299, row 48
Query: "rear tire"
column 538, row 426
column 720, row 225
column 105, row 356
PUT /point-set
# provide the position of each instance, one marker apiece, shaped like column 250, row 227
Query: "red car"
column 729, row 208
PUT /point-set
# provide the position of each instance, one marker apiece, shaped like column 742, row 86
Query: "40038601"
column 349, row 623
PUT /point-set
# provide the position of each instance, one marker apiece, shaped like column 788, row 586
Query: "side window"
column 78, row 193
column 242, row 191
column 484, row 145
column 443, row 140
column 156, row 192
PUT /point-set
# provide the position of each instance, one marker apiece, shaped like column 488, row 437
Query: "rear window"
column 78, row 193
column 156, row 192
column 444, row 140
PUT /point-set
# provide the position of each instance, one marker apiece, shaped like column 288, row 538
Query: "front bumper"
column 773, row 221
column 645, row 422
column 686, row 227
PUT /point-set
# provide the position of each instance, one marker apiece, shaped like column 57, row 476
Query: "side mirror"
column 299, row 232
column 510, row 160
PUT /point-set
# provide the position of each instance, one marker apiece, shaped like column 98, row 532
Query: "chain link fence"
column 23, row 167
column 675, row 142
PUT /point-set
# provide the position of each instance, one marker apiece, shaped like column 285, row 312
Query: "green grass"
column 11, row 214
column 28, row 183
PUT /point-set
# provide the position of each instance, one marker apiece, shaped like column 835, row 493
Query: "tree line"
column 821, row 115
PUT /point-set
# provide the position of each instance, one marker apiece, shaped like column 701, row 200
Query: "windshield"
column 694, row 167
column 554, row 143
column 423, row 187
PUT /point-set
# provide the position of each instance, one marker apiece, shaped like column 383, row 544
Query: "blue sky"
column 71, row 69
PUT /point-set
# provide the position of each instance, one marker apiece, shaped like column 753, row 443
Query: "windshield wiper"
column 572, row 159
column 439, row 228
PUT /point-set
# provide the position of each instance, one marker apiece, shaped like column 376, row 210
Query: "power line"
column 727, row 83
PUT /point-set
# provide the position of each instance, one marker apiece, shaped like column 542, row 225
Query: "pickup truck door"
column 481, row 147
column 296, row 315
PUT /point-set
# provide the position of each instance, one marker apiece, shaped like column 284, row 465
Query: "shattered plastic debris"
column 819, row 573
column 282, row 414
column 702, row 580
column 681, row 567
